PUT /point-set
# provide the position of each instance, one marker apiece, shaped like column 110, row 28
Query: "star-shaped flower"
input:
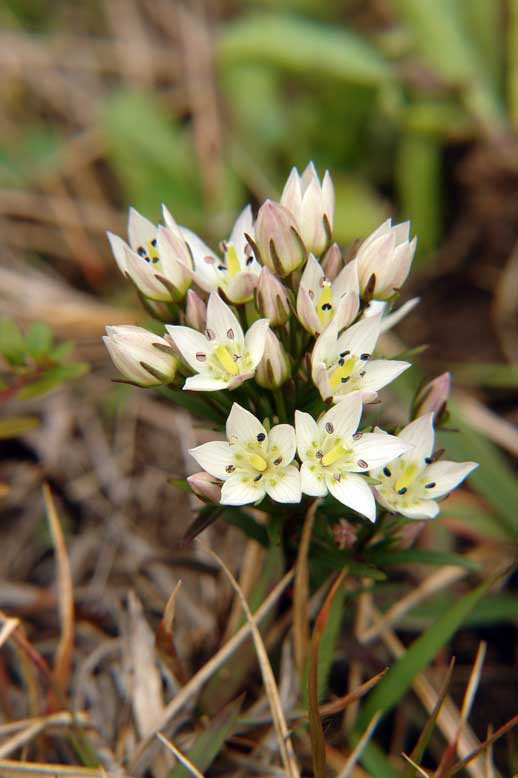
column 411, row 485
column 253, row 462
column 320, row 300
column 342, row 364
column 224, row 357
column 157, row 259
column 333, row 454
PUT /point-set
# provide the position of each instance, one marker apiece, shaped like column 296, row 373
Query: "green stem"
column 280, row 405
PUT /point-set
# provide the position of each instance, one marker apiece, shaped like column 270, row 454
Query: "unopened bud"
column 271, row 298
column 274, row 368
column 384, row 260
column 433, row 398
column 332, row 262
column 195, row 311
column 205, row 487
column 278, row 239
column 142, row 357
column 312, row 203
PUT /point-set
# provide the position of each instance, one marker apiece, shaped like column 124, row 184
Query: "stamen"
column 333, row 454
column 277, row 461
column 362, row 373
column 141, row 251
column 230, row 468
column 200, row 356
column 362, row 463
column 258, row 477
column 430, row 485
column 257, row 462
column 343, row 371
column 153, row 243
column 387, row 472
column 357, row 435
column 345, row 379
column 345, row 353
column 249, row 260
column 319, row 454
column 364, row 356
column 329, row 428
column 211, row 335
column 403, row 490
column 337, row 476
column 221, row 267
column 261, row 437
column 341, row 362
column 326, row 307
column 428, row 460
column 224, row 357
column 230, row 334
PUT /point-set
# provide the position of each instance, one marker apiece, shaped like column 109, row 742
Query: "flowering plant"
column 279, row 338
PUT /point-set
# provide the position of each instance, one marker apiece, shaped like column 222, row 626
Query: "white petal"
column 394, row 318
column 326, row 345
column 140, row 230
column 377, row 449
column 310, row 482
column 241, row 287
column 347, row 279
column 420, row 435
column 283, row 438
column 244, row 223
column 307, row 433
column 446, row 476
column 119, row 248
column 353, row 491
column 361, row 338
column 403, row 257
column 241, row 490
column 144, row 276
column 221, row 319
column 312, row 276
column 344, row 417
column 205, row 261
column 383, row 229
column 204, row 383
column 311, row 219
column 291, row 197
column 243, row 426
column 381, row 372
column 347, row 309
column 255, row 340
column 190, row 342
column 286, row 487
column 214, row 457
column 321, row 381
column 421, row 509
column 306, row 312
column 328, row 197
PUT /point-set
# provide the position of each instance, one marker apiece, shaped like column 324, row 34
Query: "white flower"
column 342, row 364
column 384, row 260
column 411, row 485
column 157, row 260
column 313, row 205
column 222, row 358
column 236, row 274
column 254, row 462
column 389, row 320
column 333, row 453
column 320, row 300
column 141, row 356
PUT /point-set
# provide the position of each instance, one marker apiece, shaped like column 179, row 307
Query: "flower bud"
column 195, row 311
column 271, row 298
column 278, row 239
column 332, row 262
column 142, row 357
column 384, row 260
column 433, row 397
column 274, row 368
column 312, row 203
column 205, row 487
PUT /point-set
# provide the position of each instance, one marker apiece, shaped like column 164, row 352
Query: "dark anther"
column 362, row 463
column 364, row 356
column 200, row 356
column 329, row 428
column 430, row 485
column 230, row 334
column 155, row 260
column 362, row 373
column 210, row 334
column 345, row 353
column 327, row 307
column 141, row 251
column 341, row 362
column 277, row 461
column 387, row 472
column 345, row 379
column 258, row 477
column 153, row 243
column 261, row 437
column 249, row 260
column 357, row 435
column 428, row 460
column 319, row 454
column 230, row 468
column 403, row 490
column 221, row 267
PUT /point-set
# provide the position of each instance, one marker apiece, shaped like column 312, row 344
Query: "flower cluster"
column 278, row 317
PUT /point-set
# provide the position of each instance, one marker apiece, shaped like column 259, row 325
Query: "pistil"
column 257, row 462
column 342, row 371
column 333, row 454
column 226, row 359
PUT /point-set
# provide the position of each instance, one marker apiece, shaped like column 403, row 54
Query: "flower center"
column 406, row 476
column 343, row 371
column 257, row 462
column 325, row 303
column 226, row 360
column 333, row 455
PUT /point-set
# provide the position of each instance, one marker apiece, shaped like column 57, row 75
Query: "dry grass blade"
column 63, row 661
column 489, row 755
column 21, row 738
column 165, row 641
column 147, row 685
column 301, row 593
column 13, row 769
column 360, row 745
column 8, row 628
column 338, row 705
column 416, row 766
column 485, row 745
column 279, row 721
column 141, row 759
column 181, row 758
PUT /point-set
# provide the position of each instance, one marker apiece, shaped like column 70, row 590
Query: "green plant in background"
column 32, row 365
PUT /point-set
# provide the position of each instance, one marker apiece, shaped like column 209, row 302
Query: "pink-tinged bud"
column 278, row 239
column 332, row 262
column 142, row 357
column 205, row 487
column 433, row 397
column 313, row 204
column 195, row 311
column 344, row 534
column 274, row 368
column 384, row 260
column 271, row 298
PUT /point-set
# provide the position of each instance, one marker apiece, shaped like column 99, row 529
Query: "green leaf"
column 197, row 405
column 302, row 46
column 17, row 425
column 39, row 339
column 375, row 760
column 419, row 655
column 209, row 743
column 328, row 641
column 480, row 374
column 247, row 524
column 53, row 377
column 421, row 556
column 12, row 343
